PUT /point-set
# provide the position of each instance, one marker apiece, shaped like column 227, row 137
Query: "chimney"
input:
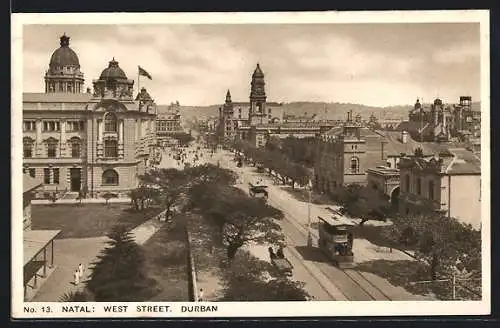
column 404, row 137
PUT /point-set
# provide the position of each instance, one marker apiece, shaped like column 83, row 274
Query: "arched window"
column 75, row 147
column 407, row 183
column 431, row 190
column 110, row 123
column 354, row 165
column 110, row 148
column 28, row 147
column 51, row 147
column 110, row 178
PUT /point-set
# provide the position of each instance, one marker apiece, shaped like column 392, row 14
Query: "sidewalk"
column 123, row 200
column 69, row 253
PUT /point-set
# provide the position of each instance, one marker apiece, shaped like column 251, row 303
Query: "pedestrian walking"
column 76, row 276
column 80, row 270
column 201, row 295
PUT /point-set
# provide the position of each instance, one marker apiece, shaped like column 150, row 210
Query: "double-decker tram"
column 336, row 240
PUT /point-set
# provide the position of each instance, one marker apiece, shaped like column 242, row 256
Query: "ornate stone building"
column 258, row 120
column 449, row 183
column 99, row 141
column 168, row 123
column 346, row 154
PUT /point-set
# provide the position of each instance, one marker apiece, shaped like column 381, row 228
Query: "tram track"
column 360, row 289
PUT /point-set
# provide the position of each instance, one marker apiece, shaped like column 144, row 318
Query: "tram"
column 336, row 240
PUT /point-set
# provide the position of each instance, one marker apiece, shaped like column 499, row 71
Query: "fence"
column 459, row 289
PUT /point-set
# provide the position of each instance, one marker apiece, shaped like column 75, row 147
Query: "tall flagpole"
column 138, row 80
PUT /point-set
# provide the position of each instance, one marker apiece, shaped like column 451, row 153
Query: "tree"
column 210, row 174
column 107, row 196
column 439, row 241
column 141, row 195
column 118, row 274
column 74, row 296
column 251, row 279
column 242, row 219
column 364, row 203
column 184, row 138
column 169, row 186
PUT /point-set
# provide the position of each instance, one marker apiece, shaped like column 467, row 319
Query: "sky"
column 370, row 64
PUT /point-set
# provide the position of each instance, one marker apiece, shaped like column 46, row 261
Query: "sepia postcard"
column 250, row 164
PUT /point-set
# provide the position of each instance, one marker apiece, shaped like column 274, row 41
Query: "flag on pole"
column 143, row 72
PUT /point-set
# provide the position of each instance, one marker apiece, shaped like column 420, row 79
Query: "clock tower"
column 257, row 113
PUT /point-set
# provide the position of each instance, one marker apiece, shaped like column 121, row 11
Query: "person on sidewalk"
column 201, row 295
column 80, row 270
column 76, row 276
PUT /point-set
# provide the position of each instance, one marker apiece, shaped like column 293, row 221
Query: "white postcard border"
column 21, row 309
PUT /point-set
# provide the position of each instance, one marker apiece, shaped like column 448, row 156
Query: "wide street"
column 322, row 279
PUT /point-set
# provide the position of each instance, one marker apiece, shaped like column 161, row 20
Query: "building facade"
column 258, row 120
column 437, row 184
column 346, row 153
column 168, row 123
column 441, row 123
column 96, row 141
column 30, row 185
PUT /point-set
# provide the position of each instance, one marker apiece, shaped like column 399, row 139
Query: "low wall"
column 84, row 201
column 192, row 283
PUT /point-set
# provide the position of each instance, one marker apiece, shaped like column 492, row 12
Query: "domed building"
column 92, row 142
column 64, row 73
column 113, row 82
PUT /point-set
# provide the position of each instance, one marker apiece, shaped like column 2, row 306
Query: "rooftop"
column 384, row 170
column 34, row 241
column 57, row 97
column 396, row 146
column 463, row 162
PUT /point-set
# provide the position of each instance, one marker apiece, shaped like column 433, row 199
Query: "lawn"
column 87, row 220
column 166, row 256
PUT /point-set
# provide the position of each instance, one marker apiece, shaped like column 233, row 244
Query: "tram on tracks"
column 336, row 240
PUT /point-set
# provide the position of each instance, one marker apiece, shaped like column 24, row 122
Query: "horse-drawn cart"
column 258, row 191
column 283, row 265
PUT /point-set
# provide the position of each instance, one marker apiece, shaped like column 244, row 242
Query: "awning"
column 34, row 241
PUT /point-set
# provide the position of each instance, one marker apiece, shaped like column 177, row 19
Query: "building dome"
column 64, row 56
column 257, row 73
column 113, row 71
column 438, row 102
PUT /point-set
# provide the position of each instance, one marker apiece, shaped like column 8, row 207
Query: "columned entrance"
column 76, row 179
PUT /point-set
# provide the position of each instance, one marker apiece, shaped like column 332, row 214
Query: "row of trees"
column 275, row 161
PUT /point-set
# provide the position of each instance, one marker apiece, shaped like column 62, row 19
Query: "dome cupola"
column 113, row 71
column 64, row 56
column 64, row 73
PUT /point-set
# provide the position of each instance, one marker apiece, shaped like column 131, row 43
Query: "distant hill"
column 322, row 110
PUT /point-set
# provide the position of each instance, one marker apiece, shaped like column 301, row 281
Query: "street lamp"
column 309, row 236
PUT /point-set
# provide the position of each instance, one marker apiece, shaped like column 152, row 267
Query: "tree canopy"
column 364, row 202
column 118, row 274
column 440, row 241
column 251, row 279
column 241, row 219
